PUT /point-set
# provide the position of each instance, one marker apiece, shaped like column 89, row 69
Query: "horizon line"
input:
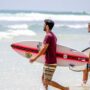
column 52, row 12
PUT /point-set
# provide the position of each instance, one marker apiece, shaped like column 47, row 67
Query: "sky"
column 46, row 5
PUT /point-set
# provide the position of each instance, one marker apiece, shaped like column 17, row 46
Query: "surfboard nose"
column 12, row 45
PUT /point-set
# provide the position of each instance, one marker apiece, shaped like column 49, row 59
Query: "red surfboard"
column 65, row 56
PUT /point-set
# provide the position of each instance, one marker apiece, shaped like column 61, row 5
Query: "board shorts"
column 48, row 71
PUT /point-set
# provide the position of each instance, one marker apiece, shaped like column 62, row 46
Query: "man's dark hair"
column 50, row 23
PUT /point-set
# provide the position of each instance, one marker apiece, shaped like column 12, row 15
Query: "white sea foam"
column 75, row 26
column 21, row 32
column 40, row 16
column 18, row 26
column 78, row 26
column 12, row 33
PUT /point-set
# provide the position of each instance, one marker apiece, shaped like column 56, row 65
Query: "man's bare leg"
column 45, row 85
column 56, row 85
column 85, row 76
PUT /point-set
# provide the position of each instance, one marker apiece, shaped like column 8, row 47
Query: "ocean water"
column 70, row 28
column 16, row 73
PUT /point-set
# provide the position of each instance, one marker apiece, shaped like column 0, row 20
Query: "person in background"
column 88, row 27
column 86, row 72
column 49, row 49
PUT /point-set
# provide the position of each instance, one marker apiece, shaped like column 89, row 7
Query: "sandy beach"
column 16, row 73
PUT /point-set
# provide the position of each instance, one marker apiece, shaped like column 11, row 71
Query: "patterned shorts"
column 48, row 71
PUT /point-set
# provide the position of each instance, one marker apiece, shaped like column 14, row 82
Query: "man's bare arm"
column 41, row 52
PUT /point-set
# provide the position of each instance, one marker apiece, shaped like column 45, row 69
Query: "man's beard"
column 44, row 29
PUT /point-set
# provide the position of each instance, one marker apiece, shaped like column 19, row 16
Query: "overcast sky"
column 46, row 5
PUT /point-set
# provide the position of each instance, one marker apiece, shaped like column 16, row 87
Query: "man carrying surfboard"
column 49, row 49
